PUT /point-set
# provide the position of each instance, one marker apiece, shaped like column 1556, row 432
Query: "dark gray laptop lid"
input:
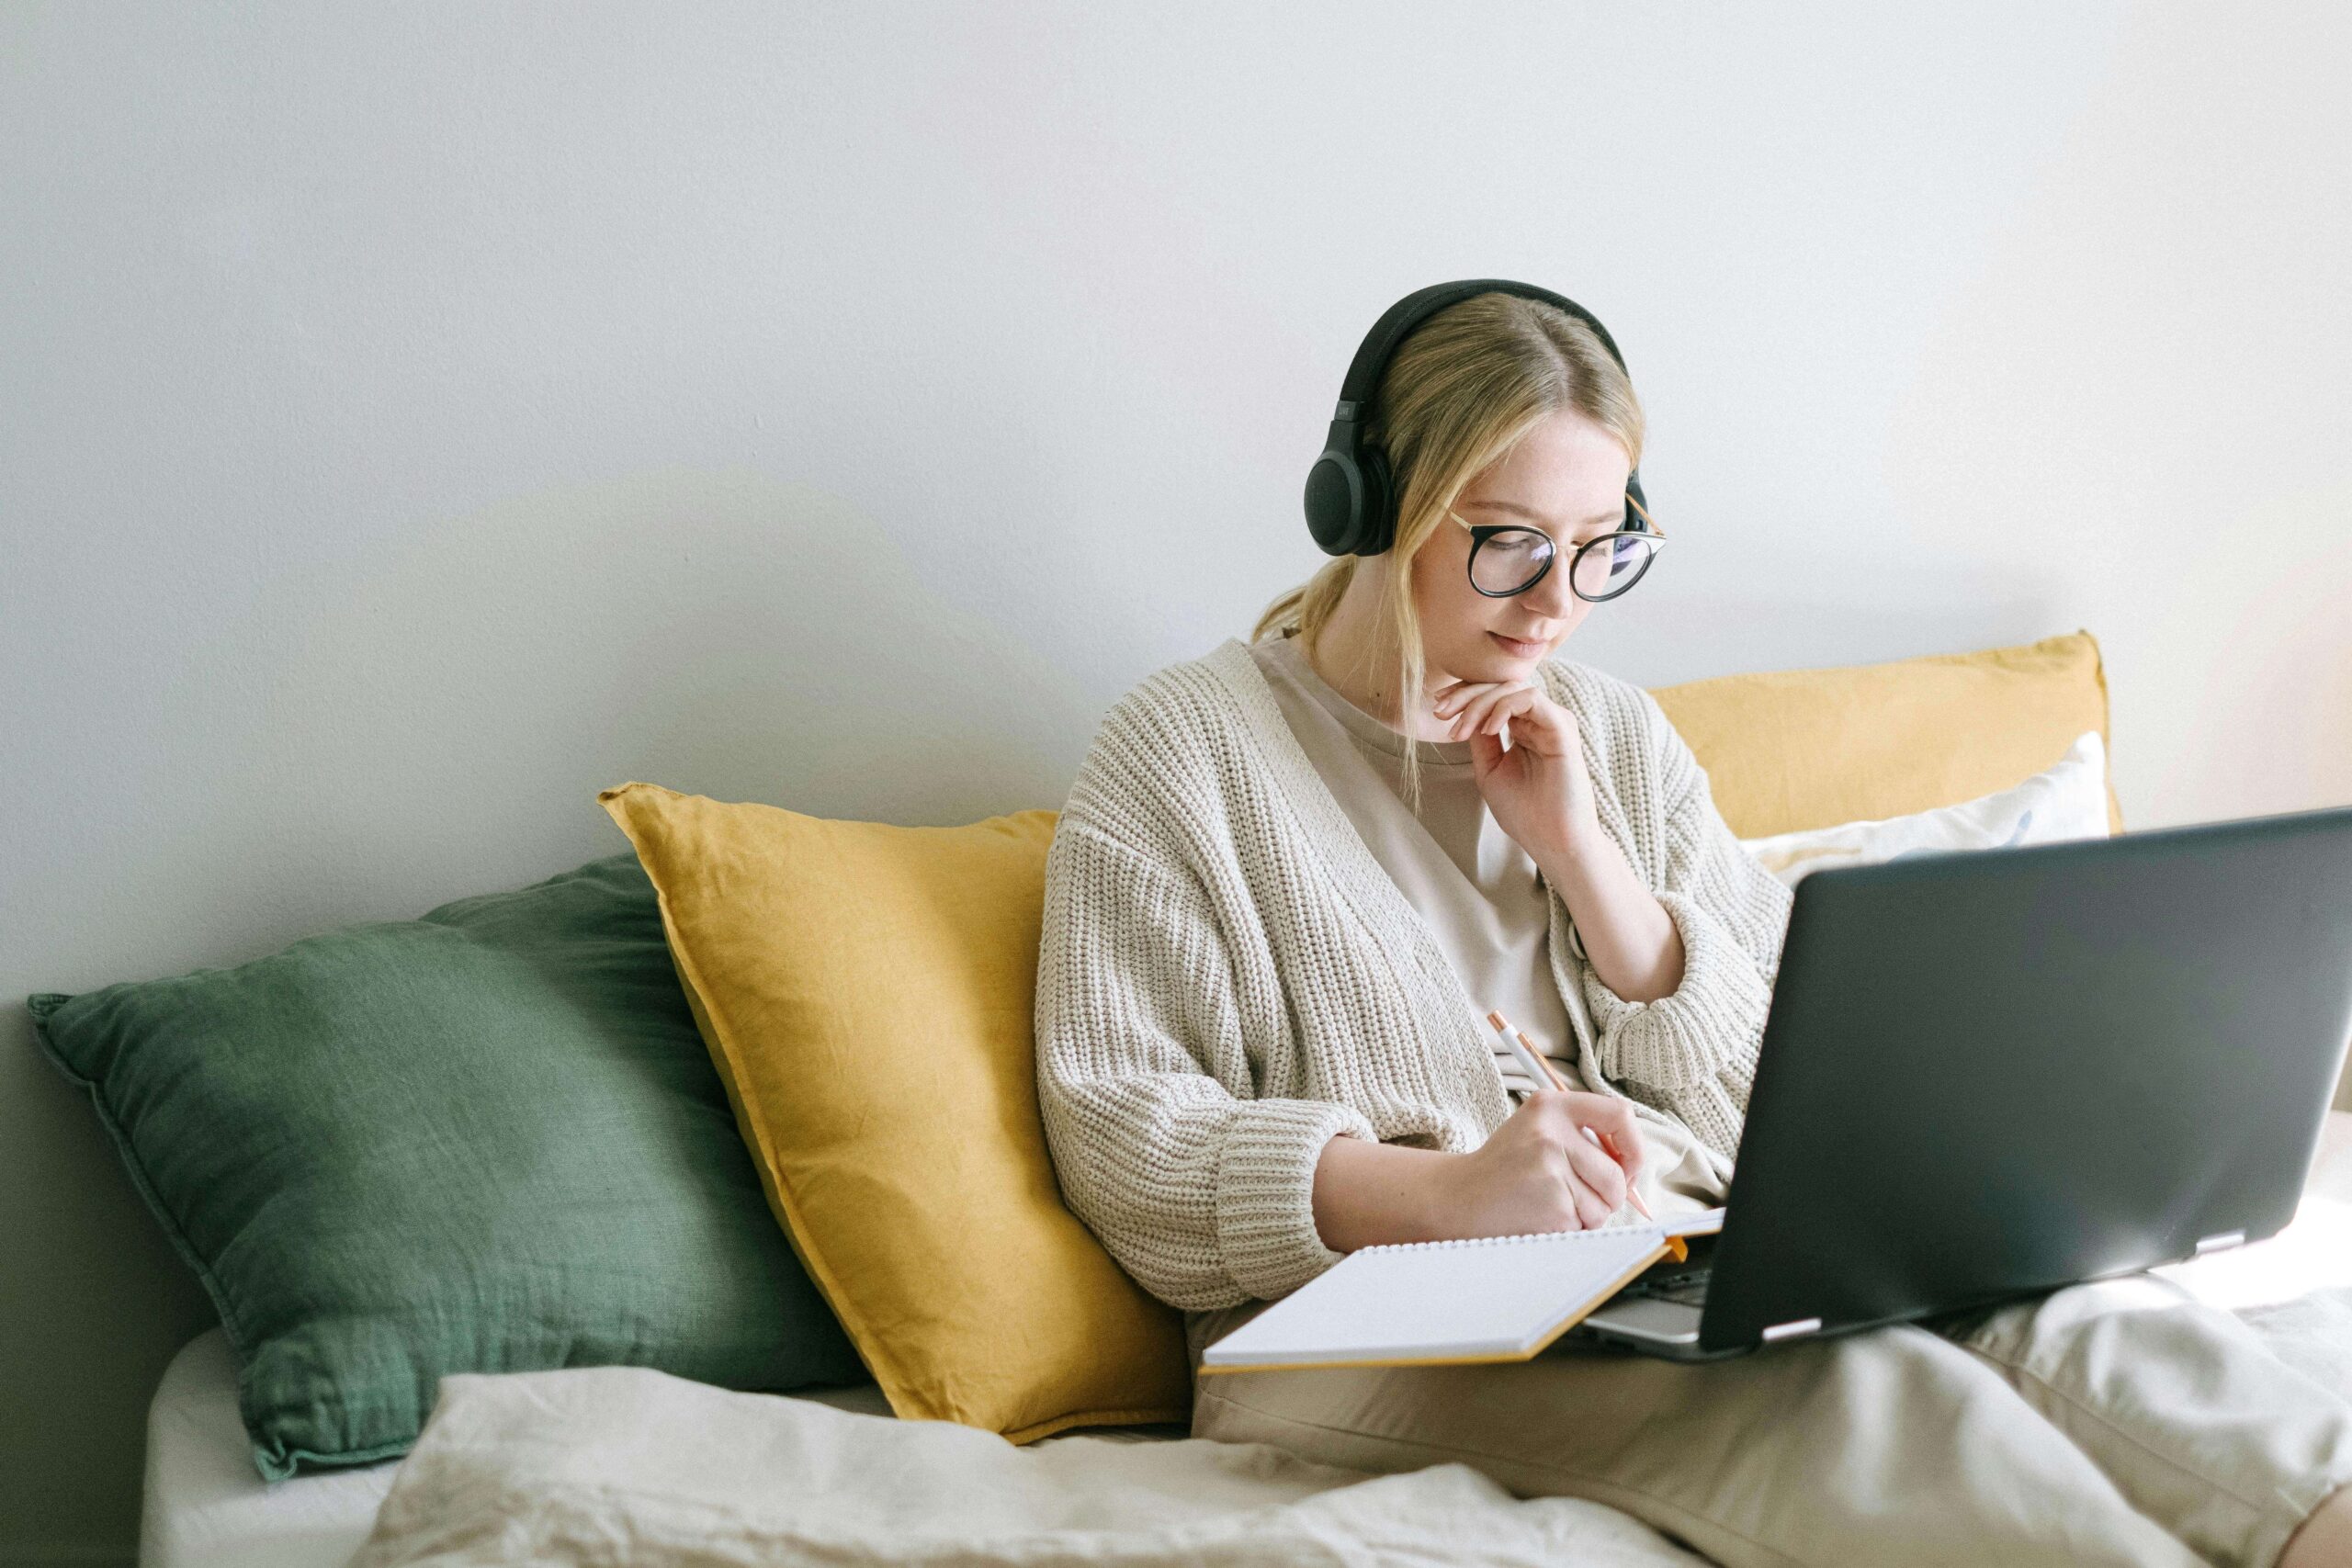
column 1993, row 1072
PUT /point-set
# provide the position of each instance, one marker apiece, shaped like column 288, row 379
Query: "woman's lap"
column 2187, row 1408
column 2039, row 1432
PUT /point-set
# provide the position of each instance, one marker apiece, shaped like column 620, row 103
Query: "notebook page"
column 1496, row 1298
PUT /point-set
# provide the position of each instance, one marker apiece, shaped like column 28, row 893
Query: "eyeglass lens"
column 1511, row 560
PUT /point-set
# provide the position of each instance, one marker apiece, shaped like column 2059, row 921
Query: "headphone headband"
column 1400, row 319
column 1350, row 497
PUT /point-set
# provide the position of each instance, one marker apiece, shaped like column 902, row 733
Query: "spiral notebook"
column 1434, row 1302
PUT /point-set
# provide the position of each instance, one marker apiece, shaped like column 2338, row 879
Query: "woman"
column 1294, row 876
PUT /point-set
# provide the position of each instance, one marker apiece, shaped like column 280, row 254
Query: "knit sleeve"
column 1694, row 1049
column 1201, row 1191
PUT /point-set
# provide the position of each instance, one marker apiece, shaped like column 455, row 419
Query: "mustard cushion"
column 1791, row 749
column 867, row 993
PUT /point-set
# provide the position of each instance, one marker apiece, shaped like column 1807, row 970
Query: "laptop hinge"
column 2217, row 1243
column 1790, row 1330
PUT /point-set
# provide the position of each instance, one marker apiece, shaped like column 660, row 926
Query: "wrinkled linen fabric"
column 592, row 1466
column 610, row 1465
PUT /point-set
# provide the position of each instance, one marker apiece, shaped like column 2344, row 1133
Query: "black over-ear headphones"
column 1350, row 494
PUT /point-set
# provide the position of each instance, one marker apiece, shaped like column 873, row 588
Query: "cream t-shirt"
column 1482, row 895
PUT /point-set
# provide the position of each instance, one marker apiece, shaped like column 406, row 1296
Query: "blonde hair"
column 1462, row 388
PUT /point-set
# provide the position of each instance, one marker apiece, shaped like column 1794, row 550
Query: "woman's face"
column 1567, row 477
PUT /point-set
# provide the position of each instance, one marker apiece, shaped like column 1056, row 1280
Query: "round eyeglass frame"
column 1482, row 532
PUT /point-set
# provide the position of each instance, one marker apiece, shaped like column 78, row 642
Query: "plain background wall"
column 414, row 419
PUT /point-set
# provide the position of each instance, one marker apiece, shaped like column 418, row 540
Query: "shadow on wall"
column 721, row 633
column 2277, row 683
column 1909, row 612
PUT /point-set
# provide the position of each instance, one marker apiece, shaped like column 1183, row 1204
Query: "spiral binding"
column 1491, row 1240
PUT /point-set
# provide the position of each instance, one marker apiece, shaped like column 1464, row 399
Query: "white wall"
column 417, row 418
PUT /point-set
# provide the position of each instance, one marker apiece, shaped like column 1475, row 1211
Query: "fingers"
column 1453, row 697
column 1495, row 713
column 1449, row 700
column 1626, row 1151
column 1473, row 708
column 1485, row 712
column 1583, row 1210
column 1449, row 697
column 1603, row 1176
column 1590, row 1208
column 1613, row 1119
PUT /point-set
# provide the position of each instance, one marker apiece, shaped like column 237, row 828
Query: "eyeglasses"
column 1509, row 558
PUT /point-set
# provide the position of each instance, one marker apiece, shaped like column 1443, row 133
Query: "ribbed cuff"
column 1707, row 1023
column 1265, row 1190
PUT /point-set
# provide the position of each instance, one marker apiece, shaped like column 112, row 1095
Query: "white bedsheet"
column 622, row 1467
column 207, row 1506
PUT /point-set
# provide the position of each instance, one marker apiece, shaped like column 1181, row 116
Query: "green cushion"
column 487, row 1140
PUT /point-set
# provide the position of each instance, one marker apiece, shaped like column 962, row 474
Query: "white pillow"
column 2069, row 801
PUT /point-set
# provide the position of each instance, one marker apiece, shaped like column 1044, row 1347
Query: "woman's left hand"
column 1540, row 790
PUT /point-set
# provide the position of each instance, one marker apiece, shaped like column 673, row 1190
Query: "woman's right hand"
column 1539, row 1172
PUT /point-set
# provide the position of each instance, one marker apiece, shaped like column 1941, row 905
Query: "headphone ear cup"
column 1335, row 502
column 1379, row 513
column 1633, row 496
column 1349, row 506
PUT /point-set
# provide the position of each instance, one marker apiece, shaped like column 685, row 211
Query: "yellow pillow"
column 1792, row 750
column 867, row 994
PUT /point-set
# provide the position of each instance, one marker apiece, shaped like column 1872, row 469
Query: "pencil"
column 1533, row 1063
column 1531, row 1060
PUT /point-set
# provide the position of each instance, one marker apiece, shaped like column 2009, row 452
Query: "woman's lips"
column 1517, row 648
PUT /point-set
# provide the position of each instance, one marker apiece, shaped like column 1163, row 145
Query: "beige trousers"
column 2118, row 1422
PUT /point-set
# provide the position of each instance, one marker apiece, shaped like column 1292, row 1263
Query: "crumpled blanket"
column 598, row 1465
column 604, row 1465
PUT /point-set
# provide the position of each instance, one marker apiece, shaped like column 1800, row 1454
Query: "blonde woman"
column 1293, row 873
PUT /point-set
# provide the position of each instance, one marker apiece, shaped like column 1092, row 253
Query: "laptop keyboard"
column 1687, row 1287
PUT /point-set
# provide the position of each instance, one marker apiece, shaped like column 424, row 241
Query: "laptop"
column 1990, row 1073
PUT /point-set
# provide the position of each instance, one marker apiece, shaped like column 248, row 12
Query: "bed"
column 207, row 1508
column 205, row 1505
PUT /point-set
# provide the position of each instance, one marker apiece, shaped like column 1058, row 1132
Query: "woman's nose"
column 1552, row 597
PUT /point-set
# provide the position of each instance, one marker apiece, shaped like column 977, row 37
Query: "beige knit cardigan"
column 1229, row 978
